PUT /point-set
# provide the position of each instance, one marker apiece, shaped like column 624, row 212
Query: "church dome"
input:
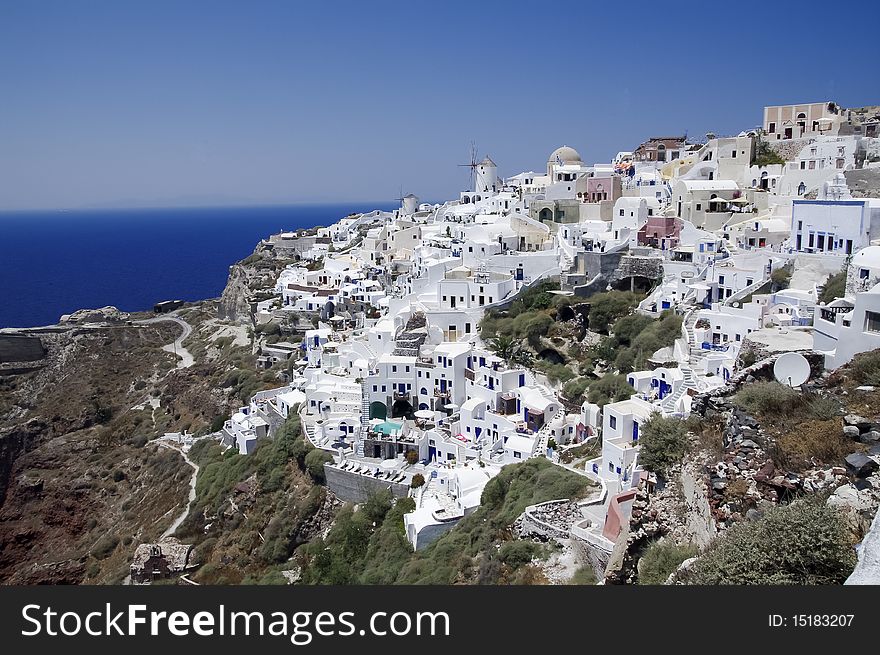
column 565, row 154
column 868, row 257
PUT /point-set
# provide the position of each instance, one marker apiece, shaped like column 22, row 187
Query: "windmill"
column 473, row 166
column 399, row 197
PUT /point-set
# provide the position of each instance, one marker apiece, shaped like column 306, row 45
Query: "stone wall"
column 591, row 264
column 356, row 488
column 20, row 348
column 864, row 183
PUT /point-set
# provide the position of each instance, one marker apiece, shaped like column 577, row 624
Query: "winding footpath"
column 175, row 347
column 192, row 490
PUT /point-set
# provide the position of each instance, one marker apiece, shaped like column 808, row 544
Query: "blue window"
column 612, row 422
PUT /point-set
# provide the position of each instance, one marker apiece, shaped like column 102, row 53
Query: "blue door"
column 635, row 431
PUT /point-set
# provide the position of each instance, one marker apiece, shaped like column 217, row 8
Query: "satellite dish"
column 791, row 369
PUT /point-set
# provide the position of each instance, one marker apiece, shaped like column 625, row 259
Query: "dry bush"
column 814, row 442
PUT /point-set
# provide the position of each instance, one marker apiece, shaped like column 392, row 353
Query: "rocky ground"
column 80, row 485
column 741, row 464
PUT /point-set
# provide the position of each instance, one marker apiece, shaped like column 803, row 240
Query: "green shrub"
column 781, row 278
column 105, row 546
column 314, row 462
column 217, row 423
column 768, row 399
column 663, row 441
column 834, row 287
column 661, row 559
column 554, row 372
column 629, row 327
column 585, row 575
column 574, row 389
column 518, row 552
column 610, row 388
column 606, row 308
column 804, row 543
column 865, row 368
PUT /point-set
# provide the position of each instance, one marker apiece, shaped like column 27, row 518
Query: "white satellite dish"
column 792, row 369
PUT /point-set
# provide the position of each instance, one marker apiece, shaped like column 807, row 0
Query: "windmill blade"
column 472, row 165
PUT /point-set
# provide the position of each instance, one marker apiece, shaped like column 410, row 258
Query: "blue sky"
column 197, row 102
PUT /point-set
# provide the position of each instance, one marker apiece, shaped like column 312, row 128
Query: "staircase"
column 365, row 419
column 744, row 293
column 689, row 382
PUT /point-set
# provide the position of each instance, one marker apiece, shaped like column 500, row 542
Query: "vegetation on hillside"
column 476, row 549
column 252, row 511
column 661, row 559
column 664, row 442
column 804, row 543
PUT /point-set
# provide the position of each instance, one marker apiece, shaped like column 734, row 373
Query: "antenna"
column 791, row 369
column 473, row 166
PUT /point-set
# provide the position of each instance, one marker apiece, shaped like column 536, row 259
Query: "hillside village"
column 581, row 373
column 556, row 313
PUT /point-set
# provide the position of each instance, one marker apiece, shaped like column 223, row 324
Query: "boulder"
column 851, row 431
column 861, row 465
column 860, row 422
column 108, row 314
column 871, row 436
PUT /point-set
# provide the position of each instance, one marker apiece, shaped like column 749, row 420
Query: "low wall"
column 356, row 488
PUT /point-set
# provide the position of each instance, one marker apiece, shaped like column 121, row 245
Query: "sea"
column 55, row 262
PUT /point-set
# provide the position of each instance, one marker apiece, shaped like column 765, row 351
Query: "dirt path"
column 192, row 491
column 176, row 346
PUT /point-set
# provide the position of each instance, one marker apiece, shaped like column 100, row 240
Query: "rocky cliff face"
column 250, row 280
column 78, row 482
column 235, row 300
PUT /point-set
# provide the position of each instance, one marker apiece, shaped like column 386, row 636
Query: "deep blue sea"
column 54, row 262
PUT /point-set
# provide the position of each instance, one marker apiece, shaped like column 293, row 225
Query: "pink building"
column 599, row 189
column 660, row 232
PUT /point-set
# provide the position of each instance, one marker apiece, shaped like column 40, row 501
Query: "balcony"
column 438, row 393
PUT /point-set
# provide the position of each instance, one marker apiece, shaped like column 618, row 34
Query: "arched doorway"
column 402, row 408
column 378, row 410
column 545, row 214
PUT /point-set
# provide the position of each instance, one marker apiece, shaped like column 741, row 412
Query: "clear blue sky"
column 155, row 102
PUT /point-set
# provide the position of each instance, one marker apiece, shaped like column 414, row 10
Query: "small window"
column 872, row 322
column 612, row 422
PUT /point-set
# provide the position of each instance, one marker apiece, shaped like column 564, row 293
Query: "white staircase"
column 690, row 382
